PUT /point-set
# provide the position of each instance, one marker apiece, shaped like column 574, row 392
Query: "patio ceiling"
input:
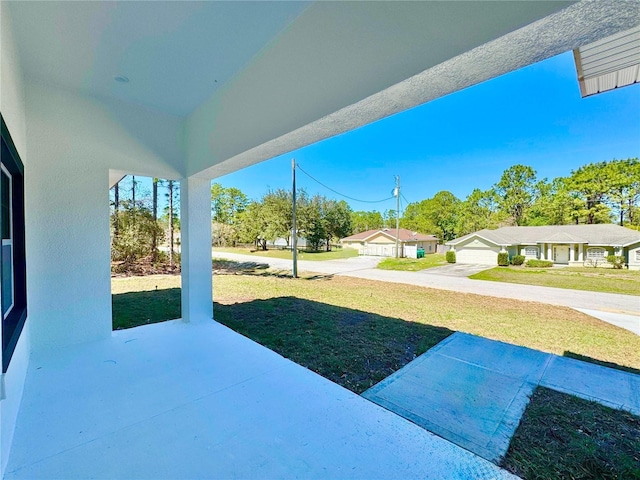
column 252, row 80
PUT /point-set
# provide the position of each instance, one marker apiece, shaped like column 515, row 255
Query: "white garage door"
column 478, row 256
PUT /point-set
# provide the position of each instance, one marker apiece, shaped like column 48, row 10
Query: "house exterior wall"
column 12, row 106
column 633, row 256
column 73, row 141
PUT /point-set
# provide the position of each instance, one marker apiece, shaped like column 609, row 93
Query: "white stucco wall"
column 73, row 141
column 12, row 107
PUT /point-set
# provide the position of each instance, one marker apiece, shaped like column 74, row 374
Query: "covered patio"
column 190, row 91
column 172, row 400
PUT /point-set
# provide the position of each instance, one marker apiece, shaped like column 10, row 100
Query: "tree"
column 479, row 210
column 389, row 217
column 555, row 204
column 517, row 192
column 252, row 225
column 591, row 183
column 277, row 209
column 624, row 176
column 311, row 224
column 363, row 221
column 437, row 216
column 336, row 218
column 227, row 204
column 171, row 211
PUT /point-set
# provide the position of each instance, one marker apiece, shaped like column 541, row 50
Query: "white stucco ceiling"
column 257, row 79
column 175, row 54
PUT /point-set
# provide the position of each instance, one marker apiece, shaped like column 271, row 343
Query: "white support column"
column 549, row 252
column 195, row 230
column 581, row 252
column 572, row 249
column 543, row 251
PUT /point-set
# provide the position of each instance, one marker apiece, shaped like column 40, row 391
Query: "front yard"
column 357, row 332
column 606, row 280
column 413, row 264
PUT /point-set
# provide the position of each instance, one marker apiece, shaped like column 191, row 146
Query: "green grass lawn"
column 413, row 264
column 576, row 278
column 584, row 440
column 334, row 254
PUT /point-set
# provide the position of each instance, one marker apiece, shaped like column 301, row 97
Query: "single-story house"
column 381, row 242
column 562, row 244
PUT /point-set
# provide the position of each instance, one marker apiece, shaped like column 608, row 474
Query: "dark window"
column 13, row 287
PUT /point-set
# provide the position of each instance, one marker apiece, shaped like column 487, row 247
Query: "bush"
column 616, row 261
column 517, row 260
column 539, row 263
column 451, row 256
column 503, row 259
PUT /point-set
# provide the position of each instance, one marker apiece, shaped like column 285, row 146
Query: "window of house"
column 637, row 255
column 7, row 286
column 531, row 251
column 13, row 284
column 596, row 253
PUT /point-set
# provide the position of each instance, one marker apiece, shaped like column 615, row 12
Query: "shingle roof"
column 600, row 234
column 404, row 235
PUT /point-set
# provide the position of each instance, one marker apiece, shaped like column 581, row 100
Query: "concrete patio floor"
column 175, row 400
column 473, row 391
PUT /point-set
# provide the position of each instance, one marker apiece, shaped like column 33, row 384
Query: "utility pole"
column 397, row 192
column 294, row 233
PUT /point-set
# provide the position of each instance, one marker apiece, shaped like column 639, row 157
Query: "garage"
column 477, row 255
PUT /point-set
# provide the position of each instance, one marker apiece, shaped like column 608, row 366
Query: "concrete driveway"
column 456, row 270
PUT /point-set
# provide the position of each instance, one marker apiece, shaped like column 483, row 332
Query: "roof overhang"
column 237, row 83
column 610, row 63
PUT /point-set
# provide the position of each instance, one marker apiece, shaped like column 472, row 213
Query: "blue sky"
column 533, row 116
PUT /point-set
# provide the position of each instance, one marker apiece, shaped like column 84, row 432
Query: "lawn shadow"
column 233, row 267
column 585, row 358
column 353, row 348
column 133, row 309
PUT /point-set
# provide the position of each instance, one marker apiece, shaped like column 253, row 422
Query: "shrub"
column 517, row 260
column 616, row 261
column 451, row 256
column 539, row 263
column 503, row 259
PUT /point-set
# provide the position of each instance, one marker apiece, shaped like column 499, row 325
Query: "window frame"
column 535, row 251
column 13, row 322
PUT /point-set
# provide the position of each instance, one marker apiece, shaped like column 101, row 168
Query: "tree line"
column 236, row 219
column 602, row 192
column 139, row 229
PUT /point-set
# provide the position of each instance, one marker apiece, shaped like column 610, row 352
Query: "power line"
column 338, row 193
column 405, row 198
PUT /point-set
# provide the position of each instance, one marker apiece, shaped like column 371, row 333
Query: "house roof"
column 404, row 235
column 600, row 234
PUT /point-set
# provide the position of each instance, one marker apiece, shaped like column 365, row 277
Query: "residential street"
column 621, row 310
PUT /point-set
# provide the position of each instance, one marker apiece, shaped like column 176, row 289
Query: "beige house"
column 563, row 244
column 382, row 242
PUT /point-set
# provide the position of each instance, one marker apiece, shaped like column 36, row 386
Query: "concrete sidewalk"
column 473, row 391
